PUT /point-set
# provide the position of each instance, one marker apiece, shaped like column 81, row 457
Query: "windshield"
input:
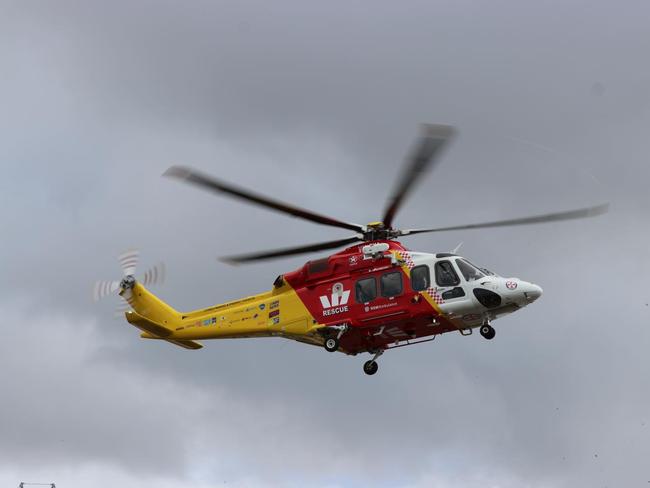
column 469, row 271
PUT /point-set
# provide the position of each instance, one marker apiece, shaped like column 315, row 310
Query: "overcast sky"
column 317, row 103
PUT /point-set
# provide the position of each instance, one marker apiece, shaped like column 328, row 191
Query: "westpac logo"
column 337, row 302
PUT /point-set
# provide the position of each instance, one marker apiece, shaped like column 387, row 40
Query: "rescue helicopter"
column 369, row 297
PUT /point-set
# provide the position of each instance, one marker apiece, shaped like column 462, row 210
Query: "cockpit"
column 446, row 271
column 469, row 271
column 462, row 278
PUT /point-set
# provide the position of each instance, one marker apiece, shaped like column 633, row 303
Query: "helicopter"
column 369, row 297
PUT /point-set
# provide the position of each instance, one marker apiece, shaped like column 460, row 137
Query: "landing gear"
column 487, row 331
column 370, row 367
column 331, row 344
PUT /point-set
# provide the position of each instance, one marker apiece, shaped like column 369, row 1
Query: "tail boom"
column 279, row 312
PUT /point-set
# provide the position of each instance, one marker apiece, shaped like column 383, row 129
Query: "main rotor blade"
column 209, row 183
column 290, row 251
column 537, row 219
column 422, row 156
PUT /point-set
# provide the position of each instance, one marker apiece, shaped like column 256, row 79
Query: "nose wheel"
column 487, row 331
column 371, row 367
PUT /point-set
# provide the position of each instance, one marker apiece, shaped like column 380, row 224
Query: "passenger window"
column 445, row 274
column 365, row 290
column 391, row 284
column 420, row 278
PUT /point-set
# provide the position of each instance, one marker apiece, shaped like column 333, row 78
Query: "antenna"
column 457, row 248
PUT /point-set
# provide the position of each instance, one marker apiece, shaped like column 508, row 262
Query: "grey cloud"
column 317, row 105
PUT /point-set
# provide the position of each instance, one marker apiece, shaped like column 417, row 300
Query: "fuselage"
column 379, row 299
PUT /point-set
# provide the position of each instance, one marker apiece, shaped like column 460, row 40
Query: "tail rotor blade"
column 105, row 288
column 129, row 261
column 121, row 309
column 154, row 275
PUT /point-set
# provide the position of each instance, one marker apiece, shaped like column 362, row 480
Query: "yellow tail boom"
column 278, row 312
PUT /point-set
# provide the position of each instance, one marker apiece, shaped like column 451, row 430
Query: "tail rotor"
column 128, row 262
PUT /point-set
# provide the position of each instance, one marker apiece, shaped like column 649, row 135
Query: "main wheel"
column 370, row 367
column 488, row 331
column 331, row 344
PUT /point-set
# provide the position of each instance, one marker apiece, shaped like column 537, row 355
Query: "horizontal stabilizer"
column 187, row 344
column 147, row 325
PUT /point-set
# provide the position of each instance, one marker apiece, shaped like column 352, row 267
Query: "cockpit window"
column 470, row 272
column 445, row 274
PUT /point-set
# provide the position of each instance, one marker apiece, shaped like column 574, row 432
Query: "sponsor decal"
column 379, row 307
column 274, row 305
column 262, row 306
column 511, row 285
column 274, row 321
column 336, row 303
column 353, row 260
column 214, row 320
column 207, row 322
column 274, row 313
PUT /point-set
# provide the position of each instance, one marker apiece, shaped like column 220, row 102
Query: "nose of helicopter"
column 532, row 292
column 521, row 292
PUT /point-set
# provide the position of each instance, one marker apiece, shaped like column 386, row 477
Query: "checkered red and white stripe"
column 406, row 257
column 433, row 293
